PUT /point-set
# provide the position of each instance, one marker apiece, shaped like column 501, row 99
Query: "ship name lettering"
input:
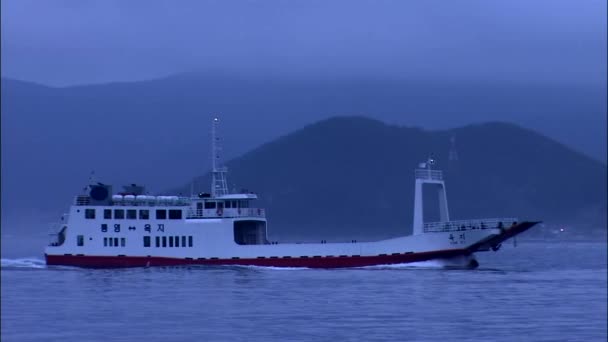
column 117, row 228
column 161, row 227
column 148, row 228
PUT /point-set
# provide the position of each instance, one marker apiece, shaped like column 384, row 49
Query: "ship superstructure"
column 133, row 228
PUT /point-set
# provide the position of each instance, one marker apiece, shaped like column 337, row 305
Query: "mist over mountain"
column 356, row 174
column 157, row 132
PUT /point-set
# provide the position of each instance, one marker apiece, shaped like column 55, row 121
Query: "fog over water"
column 66, row 42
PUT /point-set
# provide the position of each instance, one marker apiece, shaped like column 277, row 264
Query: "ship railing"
column 84, row 200
column 54, row 229
column 156, row 202
column 429, row 174
column 56, row 234
column 225, row 213
column 489, row 223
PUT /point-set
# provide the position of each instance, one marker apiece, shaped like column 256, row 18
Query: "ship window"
column 115, row 242
column 234, row 204
column 164, row 241
column 209, row 205
column 144, row 214
column 131, row 214
column 175, row 214
column 119, row 214
column 158, row 241
column 177, row 241
column 107, row 214
column 89, row 213
column 250, row 232
column 146, row 241
column 189, row 241
column 161, row 214
column 122, row 242
column 110, row 242
column 80, row 240
column 183, row 241
column 170, row 241
column 105, row 242
column 228, row 204
column 244, row 204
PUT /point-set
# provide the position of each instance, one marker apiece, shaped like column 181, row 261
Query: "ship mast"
column 453, row 154
column 219, row 186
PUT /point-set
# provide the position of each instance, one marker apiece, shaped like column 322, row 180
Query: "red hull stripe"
column 310, row 262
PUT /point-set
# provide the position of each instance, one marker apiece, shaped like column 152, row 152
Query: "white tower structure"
column 219, row 185
column 425, row 175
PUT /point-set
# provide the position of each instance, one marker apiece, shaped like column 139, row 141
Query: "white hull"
column 213, row 241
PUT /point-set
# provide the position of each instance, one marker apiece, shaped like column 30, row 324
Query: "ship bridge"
column 230, row 205
column 195, row 207
column 220, row 203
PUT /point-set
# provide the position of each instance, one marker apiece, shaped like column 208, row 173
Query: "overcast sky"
column 63, row 42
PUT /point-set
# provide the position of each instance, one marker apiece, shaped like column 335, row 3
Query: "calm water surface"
column 535, row 292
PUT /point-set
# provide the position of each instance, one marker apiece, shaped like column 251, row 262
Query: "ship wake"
column 23, row 263
column 460, row 262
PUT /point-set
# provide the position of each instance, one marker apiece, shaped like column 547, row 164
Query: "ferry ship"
column 131, row 228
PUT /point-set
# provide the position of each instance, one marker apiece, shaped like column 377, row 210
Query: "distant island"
column 333, row 176
column 354, row 174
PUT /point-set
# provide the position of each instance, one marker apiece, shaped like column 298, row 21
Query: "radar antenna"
column 219, row 186
column 92, row 180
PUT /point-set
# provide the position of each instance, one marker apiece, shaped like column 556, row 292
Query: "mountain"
column 156, row 132
column 354, row 174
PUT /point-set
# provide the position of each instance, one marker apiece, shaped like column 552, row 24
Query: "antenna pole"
column 214, row 154
column 453, row 153
column 219, row 186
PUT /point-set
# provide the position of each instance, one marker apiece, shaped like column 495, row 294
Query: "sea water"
column 535, row 292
